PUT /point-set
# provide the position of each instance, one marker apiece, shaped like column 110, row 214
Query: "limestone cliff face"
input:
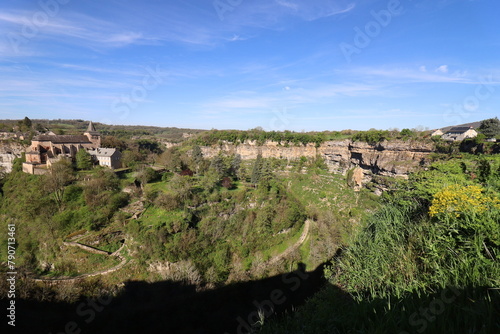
column 8, row 152
column 390, row 158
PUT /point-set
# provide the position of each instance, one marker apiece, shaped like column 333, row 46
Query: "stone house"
column 460, row 133
column 109, row 157
column 48, row 148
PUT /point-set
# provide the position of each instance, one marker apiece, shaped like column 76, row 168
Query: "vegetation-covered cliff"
column 232, row 235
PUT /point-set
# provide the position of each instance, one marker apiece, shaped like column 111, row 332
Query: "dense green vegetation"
column 222, row 217
column 286, row 138
column 490, row 127
column 427, row 261
column 422, row 258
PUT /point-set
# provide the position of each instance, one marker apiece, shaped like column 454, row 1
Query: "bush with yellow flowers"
column 457, row 200
column 467, row 211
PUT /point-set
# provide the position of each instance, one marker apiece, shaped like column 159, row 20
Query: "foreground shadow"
column 170, row 307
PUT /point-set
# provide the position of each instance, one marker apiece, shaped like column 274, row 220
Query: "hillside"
column 269, row 232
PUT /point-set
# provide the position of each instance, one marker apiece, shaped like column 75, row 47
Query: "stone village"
column 49, row 148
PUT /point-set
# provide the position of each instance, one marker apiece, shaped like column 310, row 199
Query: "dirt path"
column 290, row 249
column 96, row 273
column 270, row 262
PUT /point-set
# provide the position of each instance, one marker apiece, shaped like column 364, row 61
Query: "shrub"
column 457, row 200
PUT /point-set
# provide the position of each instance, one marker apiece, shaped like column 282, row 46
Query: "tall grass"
column 396, row 253
column 407, row 273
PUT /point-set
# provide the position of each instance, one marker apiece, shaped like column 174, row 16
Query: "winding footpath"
column 291, row 249
column 97, row 273
column 272, row 261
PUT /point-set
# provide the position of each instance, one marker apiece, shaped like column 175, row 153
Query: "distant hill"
column 77, row 126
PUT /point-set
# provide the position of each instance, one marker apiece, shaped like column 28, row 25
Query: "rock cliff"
column 9, row 150
column 388, row 158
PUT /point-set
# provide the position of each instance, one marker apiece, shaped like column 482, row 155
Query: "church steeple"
column 91, row 127
column 93, row 135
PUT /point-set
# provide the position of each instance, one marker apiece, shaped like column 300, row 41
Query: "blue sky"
column 238, row 64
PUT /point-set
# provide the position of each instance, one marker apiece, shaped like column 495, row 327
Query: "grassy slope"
column 405, row 272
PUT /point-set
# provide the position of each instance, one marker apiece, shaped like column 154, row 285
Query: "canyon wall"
column 9, row 150
column 388, row 158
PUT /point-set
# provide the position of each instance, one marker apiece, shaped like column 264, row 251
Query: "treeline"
column 78, row 126
column 286, row 138
column 260, row 136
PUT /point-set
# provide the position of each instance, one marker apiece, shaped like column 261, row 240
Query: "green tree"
column 149, row 146
column 236, row 165
column 180, row 186
column 490, row 127
column 147, row 175
column 405, row 133
column 25, row 124
column 266, row 172
column 197, row 158
column 39, row 127
column 131, row 157
column 257, row 169
column 113, row 142
column 60, row 175
column 83, row 160
column 209, row 181
column 484, row 170
column 218, row 166
column 171, row 159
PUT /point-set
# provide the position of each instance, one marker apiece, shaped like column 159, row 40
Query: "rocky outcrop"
column 9, row 150
column 388, row 158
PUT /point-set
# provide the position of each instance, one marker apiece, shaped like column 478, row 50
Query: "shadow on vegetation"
column 171, row 307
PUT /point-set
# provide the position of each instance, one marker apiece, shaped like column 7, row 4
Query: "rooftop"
column 64, row 139
column 103, row 152
column 459, row 129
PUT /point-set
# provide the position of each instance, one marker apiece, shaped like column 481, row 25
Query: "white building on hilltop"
column 460, row 133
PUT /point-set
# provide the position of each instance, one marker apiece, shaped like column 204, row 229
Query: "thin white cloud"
column 287, row 4
column 402, row 75
column 237, row 38
column 275, row 14
column 442, row 69
column 73, row 28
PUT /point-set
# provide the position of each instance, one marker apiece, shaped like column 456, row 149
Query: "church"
column 48, row 148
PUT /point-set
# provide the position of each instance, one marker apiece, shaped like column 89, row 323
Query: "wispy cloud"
column 275, row 14
column 312, row 10
column 72, row 28
column 442, row 69
column 406, row 74
column 287, row 4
